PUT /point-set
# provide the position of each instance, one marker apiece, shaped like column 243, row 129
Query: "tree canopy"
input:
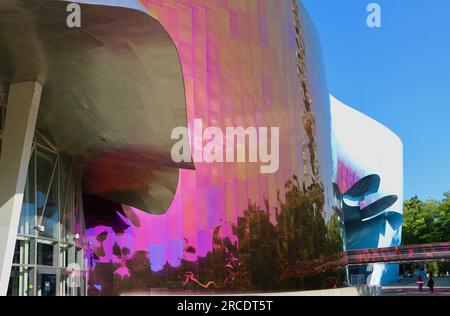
column 426, row 221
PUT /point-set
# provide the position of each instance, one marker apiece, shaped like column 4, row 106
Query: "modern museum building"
column 92, row 201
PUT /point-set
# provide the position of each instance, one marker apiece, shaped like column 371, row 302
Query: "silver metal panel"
column 113, row 92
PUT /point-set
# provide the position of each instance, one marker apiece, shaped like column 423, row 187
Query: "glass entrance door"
column 46, row 282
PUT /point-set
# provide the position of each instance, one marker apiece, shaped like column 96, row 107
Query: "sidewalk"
column 408, row 287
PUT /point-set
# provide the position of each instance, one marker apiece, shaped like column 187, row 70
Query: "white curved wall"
column 363, row 147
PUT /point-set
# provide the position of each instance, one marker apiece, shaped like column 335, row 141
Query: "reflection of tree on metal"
column 317, row 266
column 121, row 253
column 275, row 255
column 225, row 248
column 189, row 277
column 228, row 282
column 295, row 249
column 217, row 240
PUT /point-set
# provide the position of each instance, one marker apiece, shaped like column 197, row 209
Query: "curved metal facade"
column 113, row 91
column 370, row 182
column 231, row 228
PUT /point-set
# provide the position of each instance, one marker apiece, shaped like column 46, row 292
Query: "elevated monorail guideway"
column 400, row 254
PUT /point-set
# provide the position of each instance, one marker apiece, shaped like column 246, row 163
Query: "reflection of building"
column 370, row 182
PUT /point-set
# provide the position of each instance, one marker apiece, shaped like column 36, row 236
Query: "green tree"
column 445, row 215
column 426, row 221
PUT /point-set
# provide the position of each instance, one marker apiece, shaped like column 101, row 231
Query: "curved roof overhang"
column 112, row 92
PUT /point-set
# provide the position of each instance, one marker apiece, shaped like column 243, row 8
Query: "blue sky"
column 398, row 74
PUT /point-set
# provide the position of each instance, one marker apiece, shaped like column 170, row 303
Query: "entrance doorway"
column 46, row 282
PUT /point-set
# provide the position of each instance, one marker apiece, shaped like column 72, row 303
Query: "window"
column 28, row 213
column 46, row 253
column 24, row 252
column 50, row 237
column 21, row 282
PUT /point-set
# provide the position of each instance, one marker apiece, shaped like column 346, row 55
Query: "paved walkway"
column 408, row 287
